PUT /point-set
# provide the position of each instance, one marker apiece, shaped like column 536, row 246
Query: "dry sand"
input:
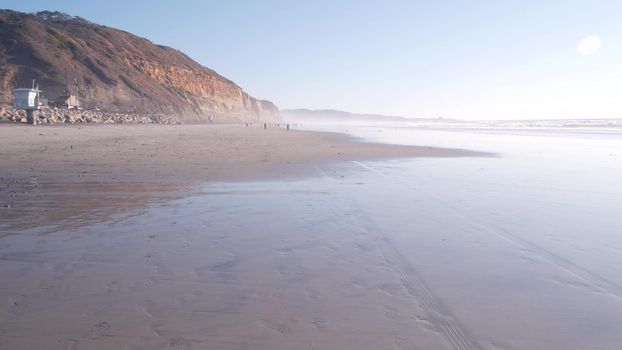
column 203, row 152
column 62, row 171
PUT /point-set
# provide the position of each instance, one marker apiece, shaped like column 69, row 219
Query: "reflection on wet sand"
column 56, row 205
column 456, row 254
column 262, row 266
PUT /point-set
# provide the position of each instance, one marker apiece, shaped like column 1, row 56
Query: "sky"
column 474, row 59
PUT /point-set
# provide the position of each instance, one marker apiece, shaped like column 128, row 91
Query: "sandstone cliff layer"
column 114, row 70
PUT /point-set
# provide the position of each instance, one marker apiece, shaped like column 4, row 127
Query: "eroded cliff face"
column 117, row 71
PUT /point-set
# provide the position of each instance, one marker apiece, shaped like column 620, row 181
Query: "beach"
column 232, row 237
column 194, row 151
column 288, row 175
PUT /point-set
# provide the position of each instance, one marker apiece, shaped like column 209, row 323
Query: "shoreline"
column 186, row 152
column 59, row 170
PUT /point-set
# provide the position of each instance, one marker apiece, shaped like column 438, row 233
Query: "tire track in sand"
column 595, row 281
column 439, row 315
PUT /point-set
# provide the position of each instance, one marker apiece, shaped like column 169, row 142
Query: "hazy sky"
column 471, row 59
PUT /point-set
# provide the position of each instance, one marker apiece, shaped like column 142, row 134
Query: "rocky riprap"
column 57, row 116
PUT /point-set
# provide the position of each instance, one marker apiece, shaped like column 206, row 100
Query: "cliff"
column 116, row 71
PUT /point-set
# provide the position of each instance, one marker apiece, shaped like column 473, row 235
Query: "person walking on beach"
column 265, row 126
column 287, row 126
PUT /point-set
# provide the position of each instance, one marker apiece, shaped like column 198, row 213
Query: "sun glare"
column 589, row 45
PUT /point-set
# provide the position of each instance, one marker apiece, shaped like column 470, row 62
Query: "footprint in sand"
column 179, row 343
column 425, row 322
column 404, row 344
column 278, row 326
column 69, row 344
column 390, row 313
column 99, row 330
column 392, row 289
column 113, row 286
column 312, row 293
column 319, row 323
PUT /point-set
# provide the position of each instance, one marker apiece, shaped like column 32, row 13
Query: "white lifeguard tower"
column 27, row 99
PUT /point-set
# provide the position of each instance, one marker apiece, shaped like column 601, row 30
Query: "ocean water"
column 518, row 251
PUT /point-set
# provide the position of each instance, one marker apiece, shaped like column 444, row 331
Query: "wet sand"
column 518, row 252
column 143, row 237
column 242, row 266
